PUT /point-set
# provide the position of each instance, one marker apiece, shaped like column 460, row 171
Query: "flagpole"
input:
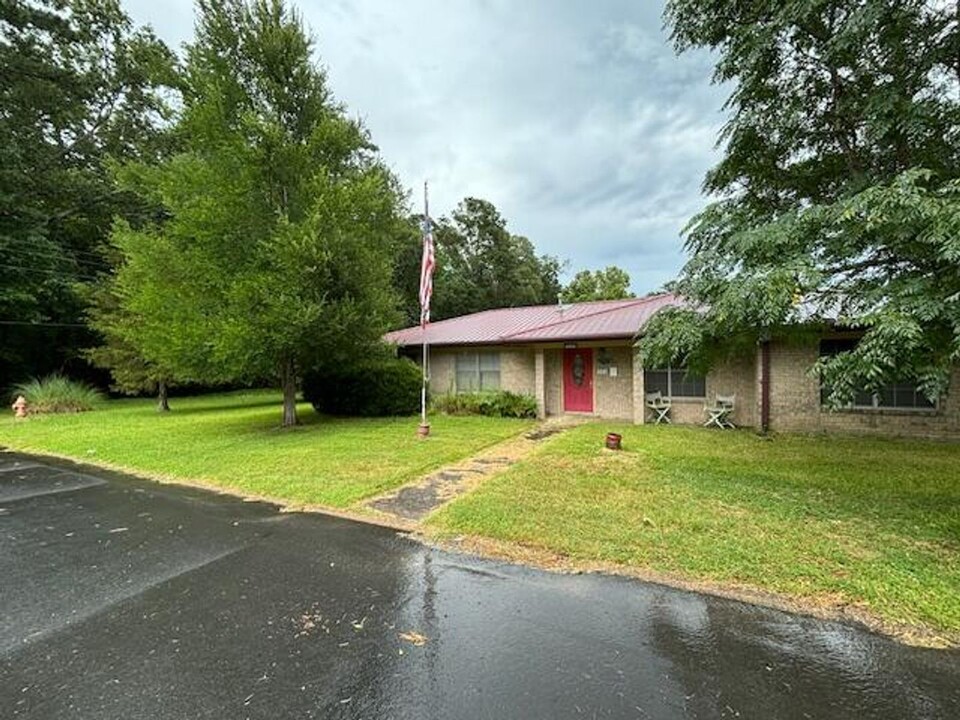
column 424, row 428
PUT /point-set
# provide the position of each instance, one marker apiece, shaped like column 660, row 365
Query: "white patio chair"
column 660, row 406
column 720, row 412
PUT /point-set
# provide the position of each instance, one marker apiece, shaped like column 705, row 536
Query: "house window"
column 477, row 371
column 674, row 382
column 902, row 395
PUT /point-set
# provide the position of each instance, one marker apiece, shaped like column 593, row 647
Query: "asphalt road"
column 121, row 598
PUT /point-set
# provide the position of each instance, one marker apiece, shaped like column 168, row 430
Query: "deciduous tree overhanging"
column 81, row 84
column 482, row 265
column 278, row 208
column 838, row 194
column 191, row 220
column 612, row 283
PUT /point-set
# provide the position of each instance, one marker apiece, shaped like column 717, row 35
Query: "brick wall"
column 794, row 393
column 539, row 382
column 795, row 403
column 639, row 391
column 733, row 377
column 516, row 370
column 442, row 371
column 736, row 377
column 553, row 372
column 614, row 395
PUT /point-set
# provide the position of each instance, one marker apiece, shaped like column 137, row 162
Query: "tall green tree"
column 481, row 265
column 80, row 85
column 117, row 351
column 611, row 283
column 273, row 255
column 837, row 197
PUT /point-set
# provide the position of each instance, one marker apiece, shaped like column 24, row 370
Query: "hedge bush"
column 501, row 403
column 371, row 388
column 57, row 394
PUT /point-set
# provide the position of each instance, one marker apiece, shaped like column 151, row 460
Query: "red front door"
column 578, row 380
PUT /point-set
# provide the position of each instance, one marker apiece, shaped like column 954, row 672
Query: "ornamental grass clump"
column 58, row 394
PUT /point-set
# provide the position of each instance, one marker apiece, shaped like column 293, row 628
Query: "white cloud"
column 576, row 119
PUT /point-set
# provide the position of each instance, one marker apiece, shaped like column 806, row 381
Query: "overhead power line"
column 24, row 323
column 23, row 253
column 49, row 272
column 59, row 251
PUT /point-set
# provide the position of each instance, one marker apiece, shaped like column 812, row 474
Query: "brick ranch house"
column 583, row 359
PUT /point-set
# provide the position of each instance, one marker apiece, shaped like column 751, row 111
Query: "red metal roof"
column 602, row 320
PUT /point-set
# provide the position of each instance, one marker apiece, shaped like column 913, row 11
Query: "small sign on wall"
column 613, row 370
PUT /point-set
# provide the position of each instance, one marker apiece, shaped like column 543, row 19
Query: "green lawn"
column 874, row 523
column 234, row 441
column 834, row 520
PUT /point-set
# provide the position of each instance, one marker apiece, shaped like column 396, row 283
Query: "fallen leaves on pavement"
column 414, row 638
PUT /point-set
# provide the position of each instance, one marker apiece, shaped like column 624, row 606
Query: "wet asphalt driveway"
column 120, row 598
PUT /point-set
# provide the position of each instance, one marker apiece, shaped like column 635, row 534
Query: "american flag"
column 426, row 271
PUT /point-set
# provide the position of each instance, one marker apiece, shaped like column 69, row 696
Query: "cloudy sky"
column 574, row 117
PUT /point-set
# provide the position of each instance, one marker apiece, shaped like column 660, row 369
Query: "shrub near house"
column 367, row 389
column 492, row 404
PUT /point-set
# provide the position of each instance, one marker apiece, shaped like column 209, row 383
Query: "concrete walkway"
column 416, row 500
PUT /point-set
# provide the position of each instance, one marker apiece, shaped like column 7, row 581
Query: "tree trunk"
column 163, row 404
column 288, row 382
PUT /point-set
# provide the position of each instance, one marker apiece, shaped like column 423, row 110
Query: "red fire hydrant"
column 20, row 407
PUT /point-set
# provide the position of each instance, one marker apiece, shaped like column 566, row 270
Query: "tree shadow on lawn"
column 269, row 422
column 179, row 409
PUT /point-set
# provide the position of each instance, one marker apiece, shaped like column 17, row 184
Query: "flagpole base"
column 423, row 430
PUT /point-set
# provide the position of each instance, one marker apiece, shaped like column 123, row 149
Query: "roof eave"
column 526, row 341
